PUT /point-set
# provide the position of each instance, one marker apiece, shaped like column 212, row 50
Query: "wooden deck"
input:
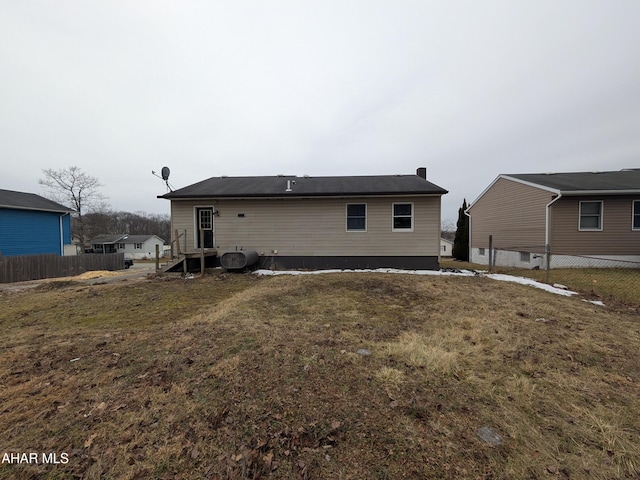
column 182, row 262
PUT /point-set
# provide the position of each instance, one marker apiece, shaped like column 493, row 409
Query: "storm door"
column 205, row 227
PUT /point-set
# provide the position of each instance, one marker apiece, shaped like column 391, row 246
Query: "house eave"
column 33, row 209
column 532, row 184
column 555, row 191
column 305, row 196
column 575, row 193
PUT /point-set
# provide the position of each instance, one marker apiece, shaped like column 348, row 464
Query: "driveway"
column 138, row 271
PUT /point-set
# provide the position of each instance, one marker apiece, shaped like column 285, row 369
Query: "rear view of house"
column 566, row 219
column 31, row 224
column 313, row 222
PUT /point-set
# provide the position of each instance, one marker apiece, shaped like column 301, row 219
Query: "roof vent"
column 289, row 183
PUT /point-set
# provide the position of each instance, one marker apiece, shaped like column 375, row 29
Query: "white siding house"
column 446, row 247
column 133, row 246
column 313, row 222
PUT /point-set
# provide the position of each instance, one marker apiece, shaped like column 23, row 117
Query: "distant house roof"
column 30, row 201
column 618, row 182
column 292, row 186
column 450, row 236
column 107, row 239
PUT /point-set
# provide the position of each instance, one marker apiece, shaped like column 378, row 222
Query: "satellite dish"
column 165, row 176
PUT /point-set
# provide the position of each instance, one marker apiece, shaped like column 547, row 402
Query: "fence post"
column 201, row 252
column 178, row 241
column 490, row 253
column 157, row 257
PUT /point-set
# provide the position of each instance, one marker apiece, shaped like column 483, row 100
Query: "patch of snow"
column 459, row 273
column 595, row 302
column 527, row 281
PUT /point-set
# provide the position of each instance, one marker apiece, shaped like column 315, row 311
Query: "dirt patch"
column 97, row 274
column 56, row 285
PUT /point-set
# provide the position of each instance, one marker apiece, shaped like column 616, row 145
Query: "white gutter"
column 600, row 192
column 16, row 207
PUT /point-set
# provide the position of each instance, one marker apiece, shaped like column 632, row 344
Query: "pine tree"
column 461, row 240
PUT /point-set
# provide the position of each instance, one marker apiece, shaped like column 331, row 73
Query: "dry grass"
column 609, row 284
column 236, row 377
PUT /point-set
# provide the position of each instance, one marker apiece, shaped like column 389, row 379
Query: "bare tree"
column 447, row 225
column 138, row 223
column 76, row 189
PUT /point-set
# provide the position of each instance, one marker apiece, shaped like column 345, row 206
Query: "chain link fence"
column 600, row 277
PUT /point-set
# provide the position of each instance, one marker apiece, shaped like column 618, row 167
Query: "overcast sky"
column 469, row 89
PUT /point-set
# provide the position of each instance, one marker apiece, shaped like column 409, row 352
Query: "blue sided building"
column 31, row 224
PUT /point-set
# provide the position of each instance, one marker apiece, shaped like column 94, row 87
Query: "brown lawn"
column 242, row 377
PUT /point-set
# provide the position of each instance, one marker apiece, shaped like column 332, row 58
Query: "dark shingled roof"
column 243, row 187
column 614, row 182
column 29, row 201
column 120, row 238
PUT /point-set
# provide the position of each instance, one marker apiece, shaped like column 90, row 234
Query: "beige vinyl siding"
column 514, row 213
column 616, row 238
column 314, row 226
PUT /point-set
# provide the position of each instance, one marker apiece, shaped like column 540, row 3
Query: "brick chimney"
column 422, row 172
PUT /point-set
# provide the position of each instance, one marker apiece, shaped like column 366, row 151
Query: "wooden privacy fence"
column 35, row 267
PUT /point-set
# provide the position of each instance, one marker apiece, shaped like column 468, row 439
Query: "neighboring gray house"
column 585, row 219
column 313, row 222
column 133, row 246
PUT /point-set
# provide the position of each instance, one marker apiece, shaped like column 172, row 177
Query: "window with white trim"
column 206, row 219
column 356, row 217
column 636, row 215
column 402, row 217
column 590, row 215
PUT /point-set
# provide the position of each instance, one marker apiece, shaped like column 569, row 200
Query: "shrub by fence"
column 35, row 267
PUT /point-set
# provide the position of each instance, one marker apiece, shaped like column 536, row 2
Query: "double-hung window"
column 356, row 217
column 636, row 215
column 590, row 216
column 402, row 217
